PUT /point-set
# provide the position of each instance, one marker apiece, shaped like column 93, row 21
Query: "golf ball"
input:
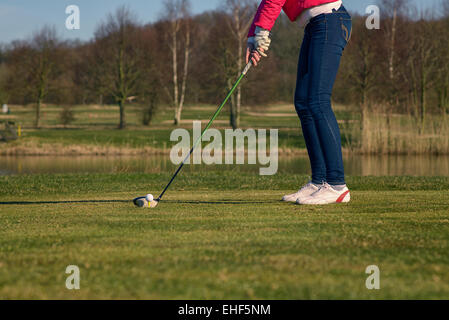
column 149, row 197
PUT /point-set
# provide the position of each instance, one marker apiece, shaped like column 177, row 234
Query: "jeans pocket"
column 346, row 29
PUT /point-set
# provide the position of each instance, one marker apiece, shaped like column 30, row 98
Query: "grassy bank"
column 94, row 131
column 218, row 238
column 387, row 133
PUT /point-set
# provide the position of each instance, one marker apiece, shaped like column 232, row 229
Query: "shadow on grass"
column 25, row 203
column 61, row 202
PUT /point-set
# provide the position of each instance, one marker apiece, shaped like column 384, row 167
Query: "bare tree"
column 151, row 80
column 3, row 75
column 392, row 9
column 442, row 82
column 422, row 63
column 117, row 54
column 178, row 16
column 43, row 43
column 241, row 15
column 34, row 67
column 221, row 56
column 362, row 64
column 445, row 5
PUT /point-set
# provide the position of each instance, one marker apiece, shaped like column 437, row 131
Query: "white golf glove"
column 260, row 41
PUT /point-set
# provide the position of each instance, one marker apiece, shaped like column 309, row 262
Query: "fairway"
column 221, row 235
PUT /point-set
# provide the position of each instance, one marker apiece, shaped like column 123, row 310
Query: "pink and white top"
column 269, row 11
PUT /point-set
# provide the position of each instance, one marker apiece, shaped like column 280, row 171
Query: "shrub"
column 66, row 116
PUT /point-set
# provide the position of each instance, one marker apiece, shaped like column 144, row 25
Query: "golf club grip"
column 247, row 67
column 242, row 75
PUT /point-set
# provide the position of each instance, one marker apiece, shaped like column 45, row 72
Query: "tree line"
column 184, row 59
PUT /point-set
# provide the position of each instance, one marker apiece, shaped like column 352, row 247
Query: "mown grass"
column 221, row 236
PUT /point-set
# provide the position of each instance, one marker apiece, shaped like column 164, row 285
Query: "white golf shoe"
column 303, row 193
column 326, row 195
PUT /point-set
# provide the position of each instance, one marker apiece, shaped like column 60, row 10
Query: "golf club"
column 148, row 201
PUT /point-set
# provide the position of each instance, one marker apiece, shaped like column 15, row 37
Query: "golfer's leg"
column 325, row 56
column 308, row 125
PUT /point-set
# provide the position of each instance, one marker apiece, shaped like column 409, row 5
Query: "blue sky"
column 19, row 18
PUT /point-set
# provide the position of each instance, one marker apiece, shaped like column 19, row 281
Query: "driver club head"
column 143, row 203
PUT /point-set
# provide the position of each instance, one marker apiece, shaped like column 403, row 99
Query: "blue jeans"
column 325, row 39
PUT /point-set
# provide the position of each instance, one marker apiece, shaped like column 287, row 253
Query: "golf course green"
column 221, row 235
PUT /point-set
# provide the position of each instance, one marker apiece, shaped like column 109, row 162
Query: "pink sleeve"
column 266, row 15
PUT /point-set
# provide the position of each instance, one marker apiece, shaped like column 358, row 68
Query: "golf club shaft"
column 242, row 75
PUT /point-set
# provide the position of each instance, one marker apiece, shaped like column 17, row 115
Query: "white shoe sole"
column 292, row 198
column 344, row 198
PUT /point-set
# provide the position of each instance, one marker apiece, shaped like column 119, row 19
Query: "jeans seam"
column 319, row 101
column 325, row 21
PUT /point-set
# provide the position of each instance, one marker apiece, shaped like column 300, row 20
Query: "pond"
column 356, row 165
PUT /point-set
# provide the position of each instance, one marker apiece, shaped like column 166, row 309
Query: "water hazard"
column 356, row 165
